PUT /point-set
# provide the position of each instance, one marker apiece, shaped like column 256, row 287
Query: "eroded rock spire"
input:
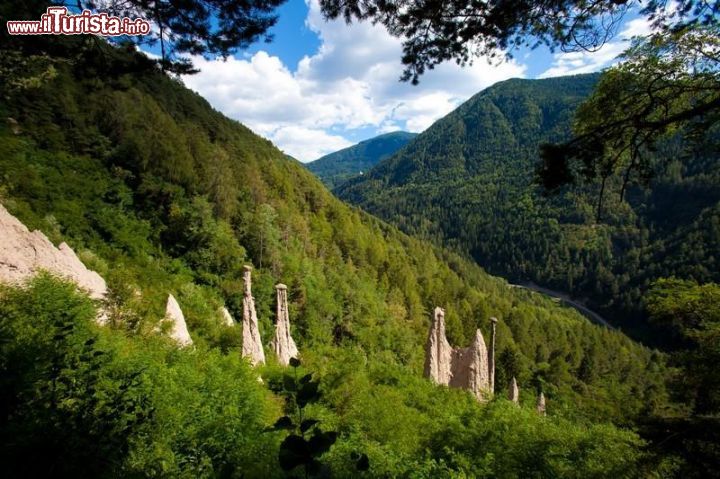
column 283, row 343
column 470, row 368
column 178, row 327
column 252, row 347
column 438, row 352
column 227, row 317
column 466, row 368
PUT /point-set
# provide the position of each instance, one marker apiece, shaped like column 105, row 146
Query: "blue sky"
column 321, row 86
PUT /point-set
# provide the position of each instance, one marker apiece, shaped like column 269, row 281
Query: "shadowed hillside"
column 468, row 182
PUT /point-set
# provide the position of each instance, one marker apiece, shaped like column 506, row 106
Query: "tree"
column 692, row 310
column 62, row 399
column 268, row 232
column 205, row 27
column 665, row 85
column 434, row 31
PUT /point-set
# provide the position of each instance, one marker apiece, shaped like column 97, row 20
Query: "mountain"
column 468, row 182
column 160, row 194
column 349, row 162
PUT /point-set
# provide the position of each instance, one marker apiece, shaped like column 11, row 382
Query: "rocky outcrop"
column 438, row 352
column 178, row 327
column 470, row 368
column 466, row 368
column 252, row 347
column 541, row 404
column 283, row 343
column 514, row 391
column 227, row 317
column 23, row 253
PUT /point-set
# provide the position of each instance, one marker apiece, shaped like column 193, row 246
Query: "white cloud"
column 312, row 142
column 573, row 63
column 351, row 82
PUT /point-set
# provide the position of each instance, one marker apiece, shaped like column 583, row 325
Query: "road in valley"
column 566, row 299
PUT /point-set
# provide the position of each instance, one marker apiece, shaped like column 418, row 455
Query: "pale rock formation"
column 23, row 253
column 465, row 368
column 541, row 404
column 227, row 317
column 178, row 327
column 283, row 343
column 438, row 352
column 514, row 391
column 252, row 347
column 470, row 368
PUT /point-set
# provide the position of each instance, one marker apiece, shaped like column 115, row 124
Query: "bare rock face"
column 438, row 352
column 283, row 343
column 466, row 368
column 227, row 317
column 252, row 347
column 514, row 391
column 178, row 329
column 470, row 368
column 24, row 253
column 541, row 404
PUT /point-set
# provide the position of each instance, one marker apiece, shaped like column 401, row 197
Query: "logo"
column 57, row 21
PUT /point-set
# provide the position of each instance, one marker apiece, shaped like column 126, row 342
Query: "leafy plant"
column 306, row 442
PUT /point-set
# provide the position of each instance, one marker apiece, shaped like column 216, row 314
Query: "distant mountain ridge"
column 337, row 167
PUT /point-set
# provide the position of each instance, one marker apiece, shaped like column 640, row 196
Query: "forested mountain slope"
column 159, row 193
column 342, row 165
column 468, row 181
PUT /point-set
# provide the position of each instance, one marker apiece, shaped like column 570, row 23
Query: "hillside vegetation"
column 469, row 182
column 337, row 167
column 161, row 194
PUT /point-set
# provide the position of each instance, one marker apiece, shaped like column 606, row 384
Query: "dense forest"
column 160, row 193
column 469, row 182
column 340, row 166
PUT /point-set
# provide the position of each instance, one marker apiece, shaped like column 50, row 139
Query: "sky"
column 322, row 86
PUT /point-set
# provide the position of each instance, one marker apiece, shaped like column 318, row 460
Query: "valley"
column 468, row 182
column 513, row 292
column 566, row 299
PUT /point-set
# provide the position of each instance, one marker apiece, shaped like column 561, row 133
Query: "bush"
column 84, row 401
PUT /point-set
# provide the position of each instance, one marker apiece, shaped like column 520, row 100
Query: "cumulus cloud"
column 573, row 63
column 313, row 143
column 350, row 83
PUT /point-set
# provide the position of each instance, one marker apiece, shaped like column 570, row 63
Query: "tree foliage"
column 436, row 31
column 182, row 28
column 691, row 310
column 665, row 85
column 61, row 399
